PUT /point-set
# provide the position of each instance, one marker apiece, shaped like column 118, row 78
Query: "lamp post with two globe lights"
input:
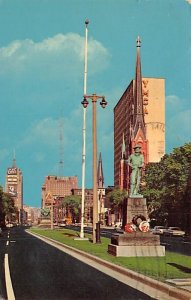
column 103, row 103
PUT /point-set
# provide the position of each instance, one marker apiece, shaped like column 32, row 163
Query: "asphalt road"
column 3, row 240
column 41, row 272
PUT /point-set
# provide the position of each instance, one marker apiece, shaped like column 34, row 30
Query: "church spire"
column 138, row 97
column 100, row 177
column 123, row 167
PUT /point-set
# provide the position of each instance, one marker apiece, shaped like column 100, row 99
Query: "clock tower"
column 14, row 187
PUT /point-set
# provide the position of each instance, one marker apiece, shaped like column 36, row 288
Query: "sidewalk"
column 182, row 283
column 149, row 286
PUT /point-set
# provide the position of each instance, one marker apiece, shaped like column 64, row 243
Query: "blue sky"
column 42, row 71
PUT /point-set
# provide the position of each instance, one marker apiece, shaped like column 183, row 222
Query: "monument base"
column 136, row 244
column 135, row 251
column 134, row 206
column 45, row 223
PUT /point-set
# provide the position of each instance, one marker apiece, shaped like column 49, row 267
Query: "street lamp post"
column 52, row 214
column 103, row 103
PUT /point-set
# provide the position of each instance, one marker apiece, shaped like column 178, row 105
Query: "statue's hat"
column 137, row 146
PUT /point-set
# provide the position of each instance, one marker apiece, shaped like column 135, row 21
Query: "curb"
column 171, row 292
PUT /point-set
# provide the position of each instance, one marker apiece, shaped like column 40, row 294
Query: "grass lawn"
column 171, row 266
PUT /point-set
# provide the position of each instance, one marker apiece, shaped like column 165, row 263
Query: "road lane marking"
column 9, row 287
column 7, row 244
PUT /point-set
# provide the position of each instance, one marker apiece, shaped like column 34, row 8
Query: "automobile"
column 62, row 225
column 9, row 225
column 174, row 231
column 118, row 227
column 158, row 230
column 79, row 225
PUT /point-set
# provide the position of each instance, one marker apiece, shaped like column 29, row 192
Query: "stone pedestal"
column 134, row 206
column 45, row 223
column 136, row 244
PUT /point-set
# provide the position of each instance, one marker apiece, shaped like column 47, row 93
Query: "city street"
column 176, row 244
column 40, row 271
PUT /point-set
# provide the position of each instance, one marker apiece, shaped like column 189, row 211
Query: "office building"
column 55, row 186
column 139, row 118
column 14, row 187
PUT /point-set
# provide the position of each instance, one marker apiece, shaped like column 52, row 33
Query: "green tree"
column 153, row 190
column 72, row 204
column 7, row 208
column 187, row 205
column 116, row 198
column 167, row 184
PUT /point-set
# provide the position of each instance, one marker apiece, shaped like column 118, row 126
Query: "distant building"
column 139, row 117
column 101, row 190
column 14, row 187
column 55, row 186
column 88, row 201
column 31, row 215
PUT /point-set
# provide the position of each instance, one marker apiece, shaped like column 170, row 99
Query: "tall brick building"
column 139, row 117
column 58, row 187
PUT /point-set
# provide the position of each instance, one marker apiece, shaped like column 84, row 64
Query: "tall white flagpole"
column 84, row 133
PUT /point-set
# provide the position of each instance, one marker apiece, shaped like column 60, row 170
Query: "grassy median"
column 171, row 266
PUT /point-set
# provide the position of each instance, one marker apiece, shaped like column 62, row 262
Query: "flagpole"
column 84, row 132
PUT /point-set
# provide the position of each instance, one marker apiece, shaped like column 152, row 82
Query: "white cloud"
column 172, row 100
column 174, row 105
column 3, row 154
column 43, row 132
column 60, row 54
column 47, row 132
column 181, row 124
column 178, row 121
column 39, row 157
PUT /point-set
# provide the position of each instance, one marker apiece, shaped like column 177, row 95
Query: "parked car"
column 158, row 230
column 9, row 225
column 174, row 231
column 62, row 224
column 117, row 225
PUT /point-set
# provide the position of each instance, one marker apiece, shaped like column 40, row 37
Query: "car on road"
column 62, row 225
column 118, row 227
column 158, row 230
column 9, row 225
column 174, row 231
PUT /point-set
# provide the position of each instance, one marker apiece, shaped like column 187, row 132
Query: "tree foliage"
column 7, row 207
column 116, row 197
column 167, row 184
column 73, row 205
